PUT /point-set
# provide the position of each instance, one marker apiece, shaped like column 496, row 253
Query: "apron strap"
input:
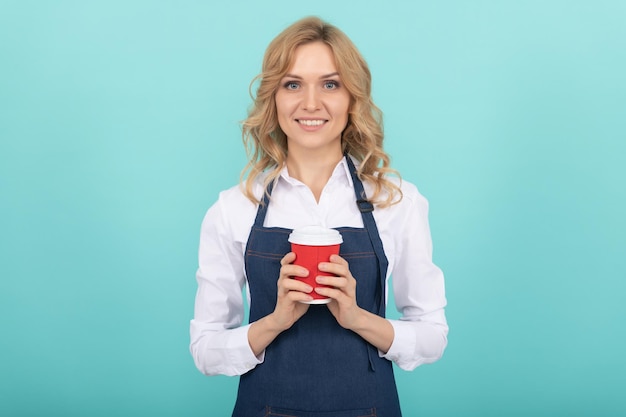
column 366, row 208
column 262, row 210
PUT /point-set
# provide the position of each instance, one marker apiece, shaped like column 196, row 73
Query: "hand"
column 291, row 291
column 342, row 291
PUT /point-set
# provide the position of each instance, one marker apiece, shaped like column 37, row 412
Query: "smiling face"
column 311, row 102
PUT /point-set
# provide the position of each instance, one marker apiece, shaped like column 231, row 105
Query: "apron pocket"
column 281, row 412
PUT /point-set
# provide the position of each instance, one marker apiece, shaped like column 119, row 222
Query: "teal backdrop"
column 119, row 125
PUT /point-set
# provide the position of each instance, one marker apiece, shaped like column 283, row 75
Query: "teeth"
column 311, row 122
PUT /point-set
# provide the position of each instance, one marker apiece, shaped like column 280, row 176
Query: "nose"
column 311, row 100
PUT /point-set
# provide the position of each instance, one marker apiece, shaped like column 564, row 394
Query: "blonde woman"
column 315, row 142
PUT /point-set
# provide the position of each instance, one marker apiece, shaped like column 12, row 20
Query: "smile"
column 311, row 122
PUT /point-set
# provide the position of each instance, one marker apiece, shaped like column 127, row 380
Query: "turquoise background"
column 119, row 126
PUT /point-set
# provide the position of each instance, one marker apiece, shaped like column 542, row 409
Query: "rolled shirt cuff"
column 240, row 354
column 416, row 343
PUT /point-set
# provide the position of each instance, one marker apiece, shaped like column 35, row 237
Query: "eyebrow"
column 297, row 77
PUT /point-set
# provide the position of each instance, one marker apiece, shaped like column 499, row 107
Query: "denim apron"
column 317, row 368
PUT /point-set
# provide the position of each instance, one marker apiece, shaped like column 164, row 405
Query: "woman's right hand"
column 291, row 292
column 288, row 308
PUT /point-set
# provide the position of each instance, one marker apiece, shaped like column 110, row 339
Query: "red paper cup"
column 312, row 245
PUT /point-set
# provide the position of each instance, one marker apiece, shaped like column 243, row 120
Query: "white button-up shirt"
column 219, row 341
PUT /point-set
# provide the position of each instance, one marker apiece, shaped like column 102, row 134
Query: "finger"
column 334, row 293
column 290, row 270
column 288, row 258
column 336, row 259
column 295, row 296
column 334, row 268
column 295, row 285
column 337, row 282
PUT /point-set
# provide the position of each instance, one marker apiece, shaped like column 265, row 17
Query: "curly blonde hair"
column 266, row 143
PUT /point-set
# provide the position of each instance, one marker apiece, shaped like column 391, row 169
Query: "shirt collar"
column 341, row 173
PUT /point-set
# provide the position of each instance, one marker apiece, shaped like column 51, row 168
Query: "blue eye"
column 291, row 85
column 331, row 85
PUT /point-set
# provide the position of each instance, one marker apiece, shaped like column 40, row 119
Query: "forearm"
column 376, row 330
column 261, row 333
column 290, row 306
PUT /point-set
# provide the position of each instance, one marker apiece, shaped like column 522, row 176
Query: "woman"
column 315, row 143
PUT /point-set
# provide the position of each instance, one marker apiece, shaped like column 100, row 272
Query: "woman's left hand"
column 342, row 291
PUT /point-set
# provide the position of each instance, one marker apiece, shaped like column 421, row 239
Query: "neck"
column 312, row 170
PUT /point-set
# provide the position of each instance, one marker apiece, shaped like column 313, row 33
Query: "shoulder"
column 234, row 197
column 395, row 221
column 231, row 209
column 409, row 190
column 411, row 195
column 409, row 199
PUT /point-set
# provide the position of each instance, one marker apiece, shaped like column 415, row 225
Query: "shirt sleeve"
column 418, row 288
column 219, row 342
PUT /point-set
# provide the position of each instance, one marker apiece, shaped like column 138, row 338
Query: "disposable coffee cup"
column 312, row 245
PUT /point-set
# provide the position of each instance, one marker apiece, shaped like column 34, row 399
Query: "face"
column 311, row 102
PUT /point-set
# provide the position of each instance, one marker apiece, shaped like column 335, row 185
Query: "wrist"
column 375, row 329
column 273, row 324
column 262, row 332
column 362, row 321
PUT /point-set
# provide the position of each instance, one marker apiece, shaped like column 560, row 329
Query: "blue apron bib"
column 317, row 368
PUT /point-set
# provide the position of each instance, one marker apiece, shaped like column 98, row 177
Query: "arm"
column 219, row 343
column 288, row 309
column 418, row 285
column 371, row 327
column 420, row 336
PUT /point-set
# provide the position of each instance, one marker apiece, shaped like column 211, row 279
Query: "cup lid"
column 315, row 236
